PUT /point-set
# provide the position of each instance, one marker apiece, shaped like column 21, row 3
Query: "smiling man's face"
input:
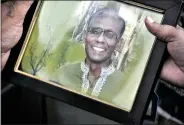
column 101, row 38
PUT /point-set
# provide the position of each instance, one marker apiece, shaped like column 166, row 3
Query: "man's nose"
column 101, row 38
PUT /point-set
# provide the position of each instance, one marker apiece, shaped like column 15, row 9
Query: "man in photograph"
column 96, row 75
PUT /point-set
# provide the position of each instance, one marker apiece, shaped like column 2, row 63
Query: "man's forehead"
column 106, row 23
column 99, row 19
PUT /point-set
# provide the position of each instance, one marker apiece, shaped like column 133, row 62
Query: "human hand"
column 13, row 14
column 173, row 69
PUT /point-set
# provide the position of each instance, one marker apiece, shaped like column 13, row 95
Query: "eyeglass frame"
column 103, row 31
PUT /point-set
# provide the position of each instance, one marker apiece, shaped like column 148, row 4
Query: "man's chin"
column 96, row 60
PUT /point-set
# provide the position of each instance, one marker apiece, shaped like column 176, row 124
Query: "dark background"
column 24, row 106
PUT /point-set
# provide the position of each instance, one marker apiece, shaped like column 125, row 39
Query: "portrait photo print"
column 97, row 49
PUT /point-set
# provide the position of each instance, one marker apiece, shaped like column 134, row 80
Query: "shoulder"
column 67, row 71
column 73, row 65
column 69, row 68
column 117, row 75
column 117, row 72
column 114, row 85
column 115, row 81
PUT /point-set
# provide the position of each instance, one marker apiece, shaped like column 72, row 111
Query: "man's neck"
column 95, row 68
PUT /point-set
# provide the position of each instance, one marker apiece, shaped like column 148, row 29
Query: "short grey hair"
column 108, row 12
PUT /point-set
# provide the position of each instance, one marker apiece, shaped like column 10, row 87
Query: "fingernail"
column 150, row 19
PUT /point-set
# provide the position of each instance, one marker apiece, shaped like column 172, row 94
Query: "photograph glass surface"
column 98, row 49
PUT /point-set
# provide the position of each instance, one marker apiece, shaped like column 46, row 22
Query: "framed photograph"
column 96, row 55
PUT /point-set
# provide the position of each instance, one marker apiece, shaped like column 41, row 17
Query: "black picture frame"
column 171, row 10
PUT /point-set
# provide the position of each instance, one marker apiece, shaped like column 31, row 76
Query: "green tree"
column 36, row 55
column 39, row 60
column 61, row 50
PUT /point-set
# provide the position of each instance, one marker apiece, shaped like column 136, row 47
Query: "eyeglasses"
column 96, row 32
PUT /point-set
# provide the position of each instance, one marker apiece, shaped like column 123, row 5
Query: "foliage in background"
column 67, row 51
column 37, row 55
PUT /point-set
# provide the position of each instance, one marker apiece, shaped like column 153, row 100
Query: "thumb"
column 165, row 33
column 13, row 14
column 15, row 11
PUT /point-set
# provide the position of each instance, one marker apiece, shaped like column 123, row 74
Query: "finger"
column 172, row 73
column 15, row 11
column 163, row 32
column 179, row 28
column 13, row 14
